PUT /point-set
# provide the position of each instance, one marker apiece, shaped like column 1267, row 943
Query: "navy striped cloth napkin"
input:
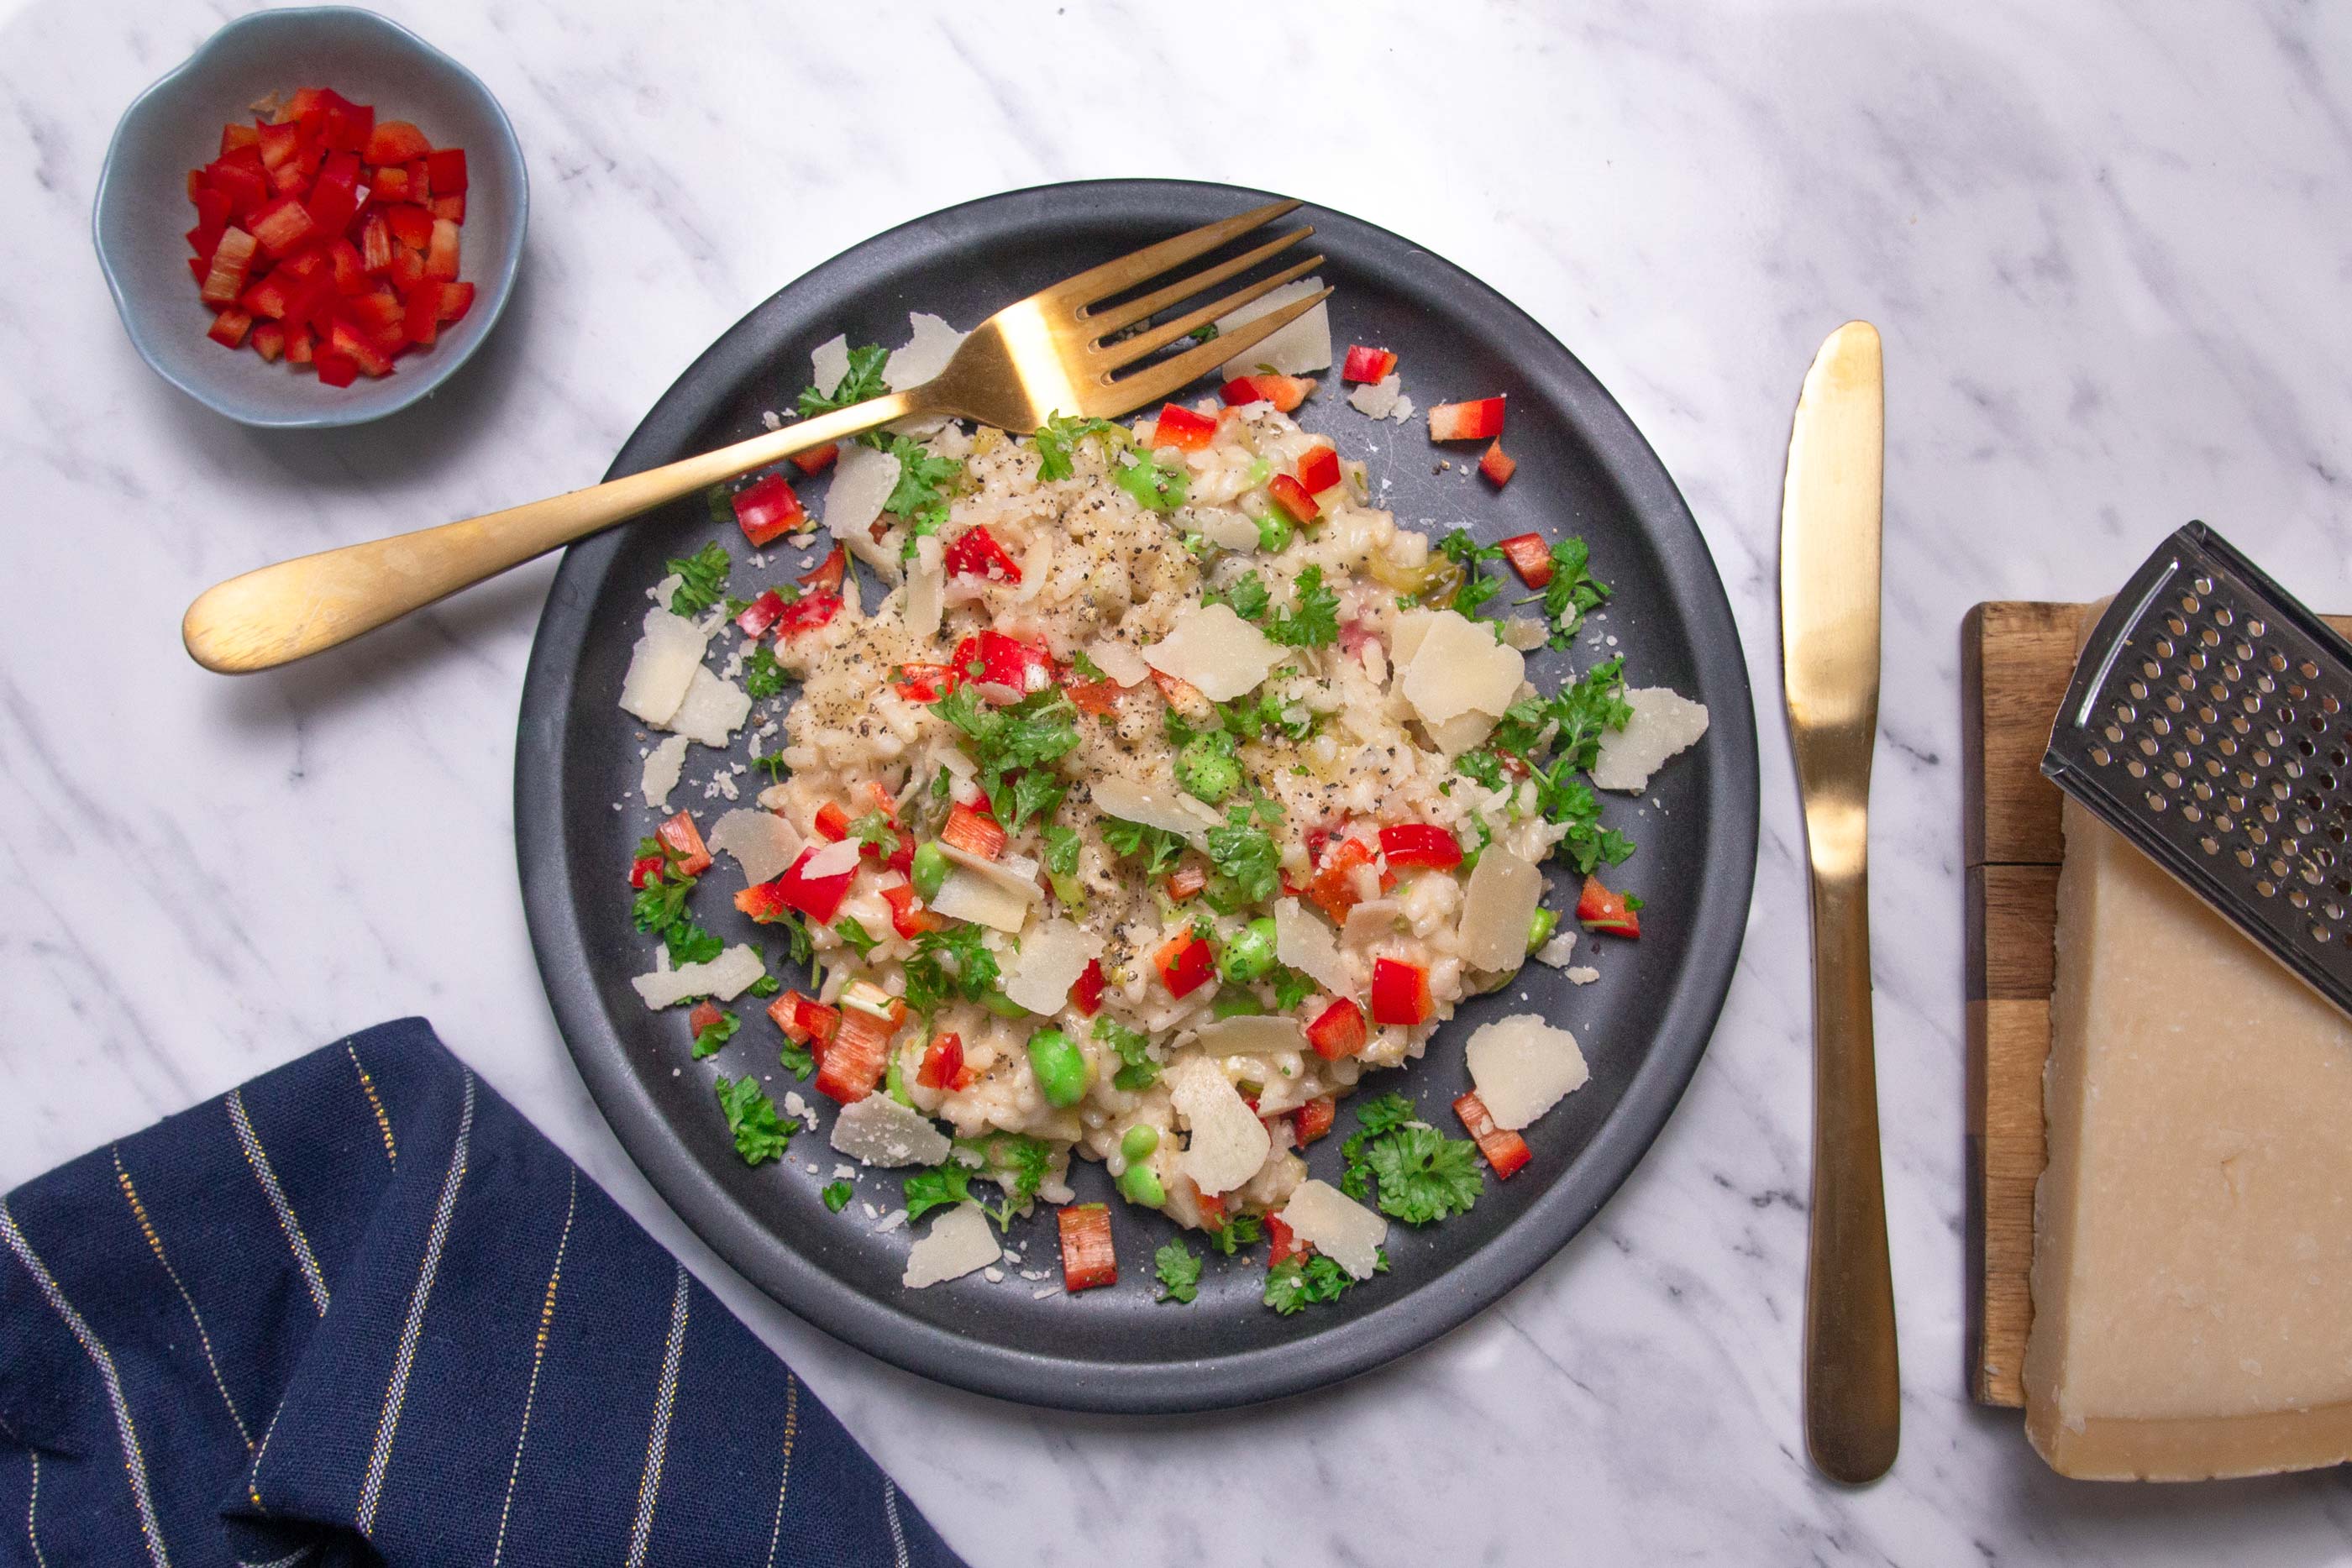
column 359, row 1311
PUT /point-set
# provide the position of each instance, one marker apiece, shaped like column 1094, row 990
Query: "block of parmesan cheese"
column 2193, row 1254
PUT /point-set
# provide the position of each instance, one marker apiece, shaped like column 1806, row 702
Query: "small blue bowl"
column 143, row 209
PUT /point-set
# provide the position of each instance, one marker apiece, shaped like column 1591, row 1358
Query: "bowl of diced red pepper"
column 313, row 222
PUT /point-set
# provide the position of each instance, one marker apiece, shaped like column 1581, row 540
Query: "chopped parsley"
column 1062, row 846
column 1087, row 668
column 690, row 943
column 773, row 762
column 1247, row 861
column 765, row 986
column 1554, row 738
column 703, row 579
column 1032, row 793
column 1572, row 591
column 1251, row 719
column 1178, row 1267
column 1238, row 1231
column 1161, row 848
column 1247, row 598
column 863, row 380
column 763, row 676
column 874, row 829
column 851, row 930
column 921, row 496
column 1290, row 988
column 1041, row 728
column 1423, row 1175
column 949, row 964
column 940, row 1186
column 1296, row 1283
column 1016, row 1161
column 1314, row 622
column 751, row 1115
column 707, row 1040
column 1476, row 586
column 797, row 1057
column 836, row 1196
column 1137, row 1071
column 1061, row 434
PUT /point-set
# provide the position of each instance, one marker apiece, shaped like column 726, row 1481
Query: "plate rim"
column 1316, row 1360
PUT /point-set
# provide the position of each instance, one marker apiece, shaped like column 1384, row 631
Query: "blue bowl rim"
column 419, row 385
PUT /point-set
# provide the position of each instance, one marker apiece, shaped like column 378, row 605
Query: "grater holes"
column 2307, row 669
column 2172, row 781
column 2156, row 802
column 2135, row 767
column 2181, row 758
column 2138, row 690
column 2203, row 584
column 2201, row 790
column 2209, row 844
column 2147, row 747
column 2189, row 604
column 2275, row 660
column 2173, row 704
column 2211, row 638
column 2243, row 649
column 2299, row 898
column 2191, row 812
column 2175, row 624
column 2115, row 734
column 2328, row 705
column 2246, row 859
column 2254, row 627
column 2163, row 646
column 2127, row 713
column 2101, row 755
column 2266, row 887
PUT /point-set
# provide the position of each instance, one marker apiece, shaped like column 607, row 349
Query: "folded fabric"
column 360, row 1310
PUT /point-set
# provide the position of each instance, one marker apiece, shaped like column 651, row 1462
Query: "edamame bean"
column 1274, row 531
column 1249, row 953
column 1060, row 1067
column 1140, row 1140
column 930, row 870
column 1540, row 926
column 1139, row 1186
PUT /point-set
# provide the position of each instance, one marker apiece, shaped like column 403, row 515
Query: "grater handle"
column 1853, row 1384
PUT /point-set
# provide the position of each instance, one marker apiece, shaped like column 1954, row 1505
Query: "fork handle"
column 280, row 613
column 1853, row 1387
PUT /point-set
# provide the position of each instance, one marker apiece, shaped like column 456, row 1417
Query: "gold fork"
column 1057, row 351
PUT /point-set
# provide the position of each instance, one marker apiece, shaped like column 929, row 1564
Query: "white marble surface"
column 2108, row 246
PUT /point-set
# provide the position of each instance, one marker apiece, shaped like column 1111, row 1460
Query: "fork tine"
column 1159, row 381
column 1141, row 267
column 1126, row 350
column 1152, row 304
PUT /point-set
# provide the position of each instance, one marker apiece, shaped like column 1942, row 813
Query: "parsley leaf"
column 1458, row 546
column 1137, row 1071
column 773, row 762
column 763, row 676
column 1238, row 1231
column 690, row 943
column 1247, row 861
column 1247, row 597
column 1251, row 717
column 1424, row 1175
column 1061, row 434
column 949, row 962
column 924, row 477
column 1296, row 1283
column 704, row 575
column 798, row 1058
column 1374, row 1118
column 836, row 1196
column 850, row 931
column 1290, row 988
column 1085, row 666
column 1178, row 1267
column 1476, row 586
column 874, row 829
column 751, row 1117
column 942, row 1187
column 1554, row 738
column 1033, row 793
column 863, row 380
column 1314, row 622
column 706, row 1040
column 1134, row 840
column 1040, row 728
column 1572, row 591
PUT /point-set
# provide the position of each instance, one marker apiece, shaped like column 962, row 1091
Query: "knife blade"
column 1830, row 521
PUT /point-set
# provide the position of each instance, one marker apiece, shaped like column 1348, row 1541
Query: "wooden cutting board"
column 2015, row 660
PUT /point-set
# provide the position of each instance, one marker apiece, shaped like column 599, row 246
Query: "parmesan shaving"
column 713, row 709
column 833, row 860
column 1120, row 662
column 664, row 763
column 726, row 976
column 959, row 1243
column 1523, row 1067
column 1131, row 802
column 1228, row 1142
column 1216, row 652
column 879, row 1130
column 1303, row 346
column 1306, row 943
column 661, row 666
column 1460, row 668
column 1664, row 723
column 1337, row 1226
column 1497, row 906
column 763, row 843
column 1051, row 958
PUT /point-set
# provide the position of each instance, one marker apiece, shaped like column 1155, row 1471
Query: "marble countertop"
column 2105, row 244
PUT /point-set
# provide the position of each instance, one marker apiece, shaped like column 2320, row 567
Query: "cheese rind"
column 2193, row 1227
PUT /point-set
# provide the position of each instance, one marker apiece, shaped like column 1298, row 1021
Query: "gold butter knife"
column 1828, row 658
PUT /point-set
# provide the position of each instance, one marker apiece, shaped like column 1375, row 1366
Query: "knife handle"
column 1852, row 1386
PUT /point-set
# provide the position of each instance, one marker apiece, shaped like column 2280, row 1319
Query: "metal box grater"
column 2206, row 723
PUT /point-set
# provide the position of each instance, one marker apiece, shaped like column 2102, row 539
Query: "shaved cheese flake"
column 1303, row 346
column 1370, row 919
column 1306, row 944
column 1229, row 530
column 1664, row 723
column 881, row 1131
column 833, row 860
column 1523, row 1067
column 664, row 763
column 726, row 976
column 1377, row 399
column 1051, row 958
column 1017, row 875
column 930, row 344
column 661, row 666
column 862, row 480
column 1261, row 1036
column 763, row 843
column 926, row 589
column 1337, row 1226
column 1216, row 652
column 959, row 1243
column 1228, row 1142
column 829, row 364
column 1496, row 905
column 1463, row 732
column 713, row 709
column 964, row 896
column 1405, row 636
column 1460, row 668
column 1120, row 662
column 1559, row 950
column 1131, row 802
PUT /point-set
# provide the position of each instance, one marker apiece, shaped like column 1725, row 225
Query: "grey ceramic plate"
column 1583, row 467
column 143, row 208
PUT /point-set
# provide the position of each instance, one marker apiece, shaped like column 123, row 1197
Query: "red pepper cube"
column 683, row 839
column 1292, row 497
column 229, row 328
column 976, row 553
column 336, row 369
column 420, row 181
column 646, row 869
column 942, row 1065
column 1319, row 470
column 1338, row 1030
column 232, row 262
column 411, row 224
column 1600, row 910
column 1186, row 882
column 761, row 614
column 1497, row 465
column 1504, row 1150
column 396, row 141
column 831, row 822
column 446, row 165
column 807, row 612
column 450, row 208
column 855, row 1061
column 1475, row 420
column 1089, row 1257
column 1530, row 557
column 974, row 834
column 767, row 509
column 1087, row 990
column 334, row 197
column 820, row 898
column 456, row 298
column 389, row 185
column 909, row 918
column 1363, row 364
column 299, row 345
column 1400, row 993
column 1314, row 1119
column 1184, row 963
column 345, row 127
column 1285, row 392
column 237, row 134
column 1180, row 427
column 1285, row 1243
column 441, row 254
column 923, row 683
column 375, row 245
column 818, row 459
column 420, row 317
column 269, row 340
column 1421, row 844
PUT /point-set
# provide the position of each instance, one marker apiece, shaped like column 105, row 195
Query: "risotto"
column 1167, row 787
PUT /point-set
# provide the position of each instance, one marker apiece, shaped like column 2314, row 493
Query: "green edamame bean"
column 930, row 870
column 1060, row 1067
column 1138, row 1185
column 1540, row 926
column 1140, row 1140
column 1274, row 531
column 1249, row 953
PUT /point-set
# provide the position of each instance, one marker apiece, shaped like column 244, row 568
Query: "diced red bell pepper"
column 976, row 553
column 1319, row 470
column 942, row 1065
column 441, row 254
column 333, row 199
column 269, row 340
column 1180, row 427
column 1400, row 993
column 761, row 614
column 1009, row 667
column 375, row 245
column 1504, row 1150
column 1363, row 364
column 820, row 897
column 411, row 224
column 1474, row 421
column 1088, row 1255
column 211, row 221
column 229, row 328
column 805, row 1019
column 335, row 368
column 1333, row 890
column 1285, row 392
column 853, row 1062
column 242, row 181
column 683, row 839
column 350, row 277
column 925, row 683
column 806, row 613
column 1421, row 843
column 446, row 166
column 909, row 918
column 1087, row 990
column 420, row 181
column 827, row 575
column 646, row 869
column 450, row 208
column 298, row 345
column 1603, row 911
column 1184, row 962
column 817, row 459
column 1098, row 697
column 420, row 316
column 390, row 184
column 1183, row 696
column 1286, row 1242
column 705, row 1015
column 1186, row 882
column 267, row 298
column 974, row 834
column 345, row 126
column 232, row 262
column 1530, row 557
column 456, row 298
column 831, row 822
column 1314, row 1119
column 1338, row 1030
column 396, row 141
column 237, row 134
column 1292, row 497
column 767, row 509
column 407, row 269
